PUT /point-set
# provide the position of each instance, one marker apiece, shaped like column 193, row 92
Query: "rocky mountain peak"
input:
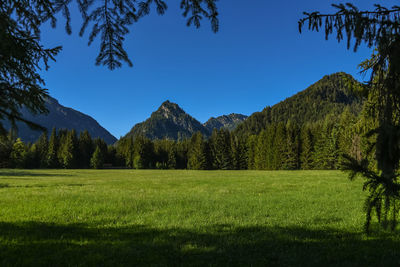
column 229, row 122
column 170, row 110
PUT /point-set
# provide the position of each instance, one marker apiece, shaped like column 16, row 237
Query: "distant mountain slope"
column 229, row 122
column 169, row 121
column 331, row 94
column 61, row 117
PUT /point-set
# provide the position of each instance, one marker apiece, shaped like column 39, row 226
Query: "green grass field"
column 197, row 218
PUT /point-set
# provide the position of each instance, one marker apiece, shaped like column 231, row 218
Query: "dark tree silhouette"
column 379, row 29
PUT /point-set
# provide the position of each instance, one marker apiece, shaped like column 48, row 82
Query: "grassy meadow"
column 196, row 218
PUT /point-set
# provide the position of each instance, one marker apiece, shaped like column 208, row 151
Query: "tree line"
column 279, row 146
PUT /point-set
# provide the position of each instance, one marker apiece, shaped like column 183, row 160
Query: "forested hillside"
column 330, row 95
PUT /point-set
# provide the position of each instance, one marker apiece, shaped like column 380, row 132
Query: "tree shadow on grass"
column 28, row 173
column 39, row 244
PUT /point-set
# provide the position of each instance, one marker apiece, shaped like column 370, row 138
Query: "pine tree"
column 292, row 155
column 239, row 153
column 125, row 151
column 279, row 146
column 251, row 151
column 270, row 133
column 97, row 159
column 330, row 133
column 67, row 155
column 42, row 147
column 260, row 160
column 51, row 159
column 6, row 147
column 307, row 148
column 143, row 153
column 346, row 135
column 197, row 158
column 182, row 148
column 85, row 148
column 221, row 150
column 172, row 157
column 378, row 28
column 18, row 154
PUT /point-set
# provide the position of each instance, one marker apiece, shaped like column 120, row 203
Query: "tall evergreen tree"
column 182, row 148
column 221, row 150
column 251, row 151
column 307, row 148
column 18, row 154
column 239, row 153
column 262, row 149
column 378, row 28
column 143, row 153
column 197, row 158
column 85, row 148
column 67, row 155
column 6, row 147
column 172, row 156
column 292, row 155
column 279, row 148
column 97, row 159
column 51, row 159
column 42, row 147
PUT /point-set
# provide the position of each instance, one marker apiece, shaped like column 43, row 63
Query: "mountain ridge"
column 329, row 95
column 172, row 122
column 60, row 117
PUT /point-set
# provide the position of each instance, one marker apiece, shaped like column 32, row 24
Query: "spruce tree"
column 378, row 28
column 143, row 153
column 197, row 158
column 239, row 153
column 270, row 146
column 182, row 148
column 85, row 148
column 222, row 150
column 251, row 151
column 97, row 159
column 307, row 148
column 346, row 136
column 292, row 155
column 67, row 155
column 279, row 146
column 42, row 147
column 330, row 133
column 6, row 147
column 18, row 154
column 51, row 159
column 260, row 160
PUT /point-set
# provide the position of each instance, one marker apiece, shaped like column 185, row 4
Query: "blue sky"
column 258, row 58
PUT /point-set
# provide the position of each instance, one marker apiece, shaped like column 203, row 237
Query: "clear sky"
column 258, row 58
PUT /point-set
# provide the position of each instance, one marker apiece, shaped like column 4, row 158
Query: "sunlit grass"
column 126, row 217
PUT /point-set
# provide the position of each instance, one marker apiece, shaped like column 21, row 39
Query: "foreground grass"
column 125, row 217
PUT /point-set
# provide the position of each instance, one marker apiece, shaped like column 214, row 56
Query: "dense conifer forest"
column 289, row 146
column 314, row 129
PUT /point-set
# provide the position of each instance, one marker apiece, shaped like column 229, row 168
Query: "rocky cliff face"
column 229, row 122
column 169, row 121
